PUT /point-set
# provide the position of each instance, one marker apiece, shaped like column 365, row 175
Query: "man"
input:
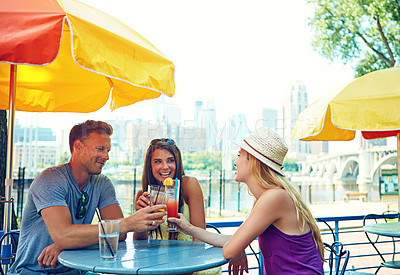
column 62, row 202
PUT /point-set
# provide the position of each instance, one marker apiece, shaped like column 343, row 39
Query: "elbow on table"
column 228, row 253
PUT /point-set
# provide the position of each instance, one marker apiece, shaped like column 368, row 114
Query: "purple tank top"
column 289, row 254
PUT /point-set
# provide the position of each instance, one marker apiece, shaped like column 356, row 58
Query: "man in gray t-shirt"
column 62, row 202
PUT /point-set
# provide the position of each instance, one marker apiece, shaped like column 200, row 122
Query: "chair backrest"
column 256, row 254
column 8, row 251
column 386, row 216
column 338, row 258
column 330, row 236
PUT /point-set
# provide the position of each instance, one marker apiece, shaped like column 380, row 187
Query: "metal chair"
column 256, row 254
column 328, row 228
column 336, row 252
column 338, row 258
column 386, row 216
column 8, row 251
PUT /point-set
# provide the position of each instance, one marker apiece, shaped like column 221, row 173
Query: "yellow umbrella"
column 72, row 58
column 368, row 104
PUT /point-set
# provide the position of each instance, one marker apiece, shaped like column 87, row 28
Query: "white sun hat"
column 267, row 146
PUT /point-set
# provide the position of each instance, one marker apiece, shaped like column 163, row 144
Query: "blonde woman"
column 288, row 235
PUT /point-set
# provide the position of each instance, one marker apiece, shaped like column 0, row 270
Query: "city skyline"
column 244, row 55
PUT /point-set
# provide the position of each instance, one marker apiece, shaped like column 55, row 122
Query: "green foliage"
column 202, row 161
column 64, row 158
column 363, row 32
column 290, row 164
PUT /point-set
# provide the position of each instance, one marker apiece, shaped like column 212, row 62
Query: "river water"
column 229, row 197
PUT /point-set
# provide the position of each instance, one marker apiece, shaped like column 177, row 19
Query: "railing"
column 346, row 229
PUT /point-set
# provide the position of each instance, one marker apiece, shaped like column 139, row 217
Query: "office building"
column 295, row 101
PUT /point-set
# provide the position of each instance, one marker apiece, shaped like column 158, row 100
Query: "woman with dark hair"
column 164, row 160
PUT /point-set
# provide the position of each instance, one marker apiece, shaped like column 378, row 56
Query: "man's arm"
column 69, row 236
column 65, row 234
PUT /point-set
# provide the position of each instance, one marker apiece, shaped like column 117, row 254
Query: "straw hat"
column 267, row 146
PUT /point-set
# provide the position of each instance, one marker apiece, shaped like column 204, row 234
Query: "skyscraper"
column 208, row 121
column 268, row 118
column 295, row 102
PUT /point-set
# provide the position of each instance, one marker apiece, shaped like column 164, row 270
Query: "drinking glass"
column 172, row 192
column 108, row 239
column 157, row 194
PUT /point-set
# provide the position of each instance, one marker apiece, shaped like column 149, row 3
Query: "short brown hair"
column 82, row 130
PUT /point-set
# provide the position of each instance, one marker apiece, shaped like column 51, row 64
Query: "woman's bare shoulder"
column 275, row 196
column 191, row 187
column 188, row 181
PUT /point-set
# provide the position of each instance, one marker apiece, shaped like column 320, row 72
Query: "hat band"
column 262, row 154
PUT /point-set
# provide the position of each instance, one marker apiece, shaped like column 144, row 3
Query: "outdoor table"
column 147, row 257
column 390, row 229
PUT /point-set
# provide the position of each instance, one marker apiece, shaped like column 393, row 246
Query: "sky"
column 240, row 54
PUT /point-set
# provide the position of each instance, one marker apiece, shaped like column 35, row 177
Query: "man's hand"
column 49, row 256
column 238, row 264
column 147, row 218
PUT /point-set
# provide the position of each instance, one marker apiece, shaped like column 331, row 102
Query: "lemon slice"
column 168, row 181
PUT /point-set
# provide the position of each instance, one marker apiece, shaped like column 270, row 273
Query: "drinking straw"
column 108, row 244
column 158, row 227
column 158, row 191
column 176, row 189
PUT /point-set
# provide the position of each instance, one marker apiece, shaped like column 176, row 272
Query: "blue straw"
column 176, row 188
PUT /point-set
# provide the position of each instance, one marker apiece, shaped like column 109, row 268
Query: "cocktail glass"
column 157, row 194
column 172, row 192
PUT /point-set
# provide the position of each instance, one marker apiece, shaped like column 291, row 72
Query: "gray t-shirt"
column 55, row 187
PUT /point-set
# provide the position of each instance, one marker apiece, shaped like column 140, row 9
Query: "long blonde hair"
column 268, row 178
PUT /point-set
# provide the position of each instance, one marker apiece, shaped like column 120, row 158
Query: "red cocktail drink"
column 172, row 192
column 172, row 208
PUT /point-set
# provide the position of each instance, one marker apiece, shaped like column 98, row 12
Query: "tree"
column 202, row 161
column 365, row 32
column 64, row 158
column 290, row 164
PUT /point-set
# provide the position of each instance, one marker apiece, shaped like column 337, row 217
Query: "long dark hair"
column 147, row 176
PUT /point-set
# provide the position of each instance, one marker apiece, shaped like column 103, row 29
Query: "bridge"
column 361, row 167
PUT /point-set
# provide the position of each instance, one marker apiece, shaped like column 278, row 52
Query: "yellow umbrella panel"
column 368, row 104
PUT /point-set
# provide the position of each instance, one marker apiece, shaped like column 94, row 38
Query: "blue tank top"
column 289, row 254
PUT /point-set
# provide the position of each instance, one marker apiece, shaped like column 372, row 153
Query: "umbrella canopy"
column 71, row 55
column 368, row 104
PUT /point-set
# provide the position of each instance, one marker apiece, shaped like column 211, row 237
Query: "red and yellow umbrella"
column 71, row 55
column 72, row 58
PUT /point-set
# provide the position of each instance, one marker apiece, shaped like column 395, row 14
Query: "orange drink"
column 157, row 195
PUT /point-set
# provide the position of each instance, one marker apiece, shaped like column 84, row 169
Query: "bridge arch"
column 350, row 168
column 388, row 159
column 332, row 169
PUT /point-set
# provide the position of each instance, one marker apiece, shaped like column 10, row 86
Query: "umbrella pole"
column 9, row 171
column 398, row 173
